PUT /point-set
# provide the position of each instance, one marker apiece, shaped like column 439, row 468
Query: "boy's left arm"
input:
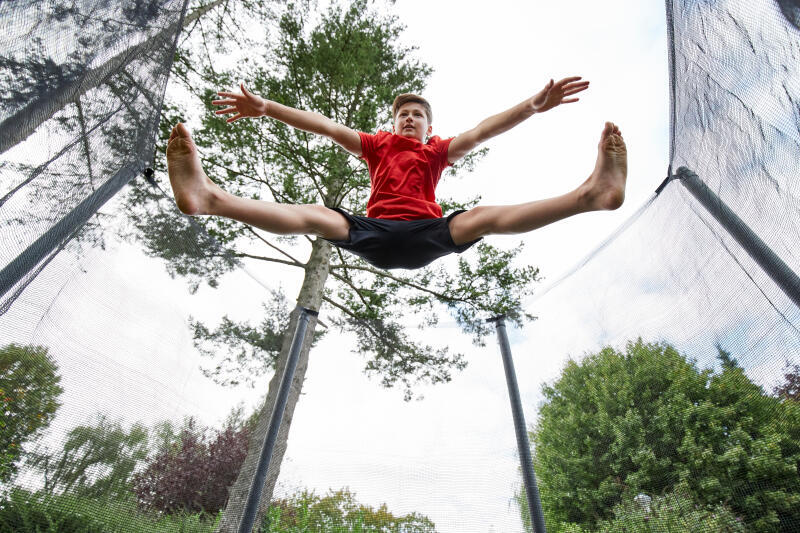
column 553, row 94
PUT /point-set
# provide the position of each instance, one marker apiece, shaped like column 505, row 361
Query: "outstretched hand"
column 556, row 93
column 244, row 105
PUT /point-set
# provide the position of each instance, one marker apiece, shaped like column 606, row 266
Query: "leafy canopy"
column 648, row 420
column 347, row 63
column 29, row 393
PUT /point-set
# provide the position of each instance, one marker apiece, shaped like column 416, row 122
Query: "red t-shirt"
column 403, row 173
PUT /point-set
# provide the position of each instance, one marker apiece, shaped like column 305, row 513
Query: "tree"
column 29, row 391
column 790, row 388
column 348, row 67
column 97, row 460
column 193, row 474
column 339, row 511
column 51, row 85
column 93, row 74
column 726, row 359
column 672, row 513
column 648, row 420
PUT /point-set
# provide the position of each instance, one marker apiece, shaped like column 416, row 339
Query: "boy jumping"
column 404, row 227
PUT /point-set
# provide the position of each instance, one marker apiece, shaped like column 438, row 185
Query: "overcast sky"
column 117, row 324
column 452, row 455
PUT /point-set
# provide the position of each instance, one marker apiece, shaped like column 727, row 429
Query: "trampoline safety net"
column 661, row 378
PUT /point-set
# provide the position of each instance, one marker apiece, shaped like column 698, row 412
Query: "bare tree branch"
column 276, row 248
column 270, row 259
column 406, row 283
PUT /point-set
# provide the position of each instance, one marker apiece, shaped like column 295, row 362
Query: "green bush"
column 338, row 512
column 305, row 512
column 648, row 419
column 672, row 513
column 24, row 512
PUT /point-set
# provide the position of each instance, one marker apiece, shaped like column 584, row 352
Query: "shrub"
column 29, row 392
column 672, row 513
column 23, row 512
column 649, row 420
column 338, row 512
column 194, row 474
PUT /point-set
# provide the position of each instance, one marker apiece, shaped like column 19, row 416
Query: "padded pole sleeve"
column 523, row 444
column 253, row 497
column 776, row 269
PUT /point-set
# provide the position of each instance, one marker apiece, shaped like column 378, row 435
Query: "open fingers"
column 577, row 85
column 574, row 90
column 226, row 111
column 229, row 95
column 570, row 79
column 228, row 101
column 235, row 118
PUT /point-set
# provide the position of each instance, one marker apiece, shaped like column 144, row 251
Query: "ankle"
column 215, row 200
column 585, row 197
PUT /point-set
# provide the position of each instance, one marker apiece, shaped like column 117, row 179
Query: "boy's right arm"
column 248, row 104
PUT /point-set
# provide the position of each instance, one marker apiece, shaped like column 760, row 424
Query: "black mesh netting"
column 670, row 355
column 673, row 286
column 83, row 85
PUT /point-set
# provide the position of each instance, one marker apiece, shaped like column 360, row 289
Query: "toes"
column 610, row 129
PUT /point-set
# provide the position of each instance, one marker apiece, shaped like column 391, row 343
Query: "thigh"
column 324, row 222
column 474, row 224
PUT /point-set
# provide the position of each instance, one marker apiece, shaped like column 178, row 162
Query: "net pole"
column 775, row 268
column 523, row 444
column 42, row 247
column 254, row 495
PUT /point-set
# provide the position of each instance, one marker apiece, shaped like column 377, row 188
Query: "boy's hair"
column 411, row 97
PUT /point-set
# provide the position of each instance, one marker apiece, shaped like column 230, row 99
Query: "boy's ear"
column 430, row 129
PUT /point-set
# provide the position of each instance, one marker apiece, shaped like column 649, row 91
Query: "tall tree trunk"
column 317, row 270
column 24, row 122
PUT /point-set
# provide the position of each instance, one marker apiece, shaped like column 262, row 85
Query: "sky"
column 451, row 455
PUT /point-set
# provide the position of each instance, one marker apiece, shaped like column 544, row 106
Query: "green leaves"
column 249, row 351
column 349, row 65
column 29, row 392
column 648, row 420
column 339, row 511
column 96, row 460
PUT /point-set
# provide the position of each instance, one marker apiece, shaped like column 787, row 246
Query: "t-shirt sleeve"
column 440, row 149
column 367, row 145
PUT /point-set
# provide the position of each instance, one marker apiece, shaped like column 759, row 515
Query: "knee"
column 484, row 219
column 314, row 219
column 473, row 224
column 324, row 222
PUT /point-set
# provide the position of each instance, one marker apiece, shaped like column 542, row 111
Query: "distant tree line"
column 103, row 468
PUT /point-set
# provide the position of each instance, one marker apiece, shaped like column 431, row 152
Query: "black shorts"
column 399, row 243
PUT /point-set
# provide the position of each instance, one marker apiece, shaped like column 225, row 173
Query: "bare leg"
column 196, row 194
column 604, row 189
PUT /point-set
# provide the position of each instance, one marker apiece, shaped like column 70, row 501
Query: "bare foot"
column 605, row 188
column 193, row 191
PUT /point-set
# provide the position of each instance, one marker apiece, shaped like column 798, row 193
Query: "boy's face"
column 411, row 121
